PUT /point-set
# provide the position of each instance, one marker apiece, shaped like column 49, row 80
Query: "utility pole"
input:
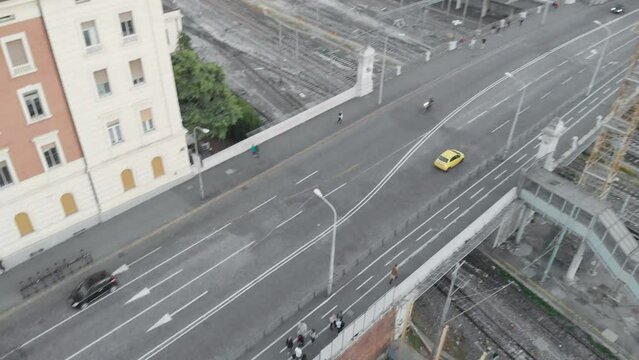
column 442, row 320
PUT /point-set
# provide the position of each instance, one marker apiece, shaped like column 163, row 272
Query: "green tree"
column 205, row 99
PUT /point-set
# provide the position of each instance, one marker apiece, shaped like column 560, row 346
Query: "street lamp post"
column 332, row 264
column 601, row 56
column 521, row 101
column 197, row 154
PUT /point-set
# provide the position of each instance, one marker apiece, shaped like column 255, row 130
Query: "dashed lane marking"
column 499, row 127
column 565, row 81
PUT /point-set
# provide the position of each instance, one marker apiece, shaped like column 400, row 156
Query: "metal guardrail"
column 57, row 273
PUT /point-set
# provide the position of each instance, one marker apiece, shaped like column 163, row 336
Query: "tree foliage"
column 205, row 99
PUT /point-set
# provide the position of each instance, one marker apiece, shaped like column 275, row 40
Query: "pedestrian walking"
column 508, row 23
column 340, row 118
column 483, row 43
column 472, row 42
column 394, row 273
column 502, row 23
column 522, row 17
column 2, row 268
column 300, row 340
column 331, row 320
column 302, row 328
column 313, row 335
column 289, row 343
column 339, row 324
column 255, row 151
column 298, row 353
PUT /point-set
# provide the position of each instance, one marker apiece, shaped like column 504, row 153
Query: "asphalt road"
column 230, row 271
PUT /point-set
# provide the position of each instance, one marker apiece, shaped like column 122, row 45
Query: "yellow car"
column 449, row 159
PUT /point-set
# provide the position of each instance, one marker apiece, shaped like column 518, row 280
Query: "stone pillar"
column 525, row 216
column 549, row 139
column 364, row 85
column 574, row 264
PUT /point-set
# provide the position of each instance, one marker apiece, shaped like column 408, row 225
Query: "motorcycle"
column 427, row 105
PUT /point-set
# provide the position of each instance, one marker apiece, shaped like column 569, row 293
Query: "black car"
column 617, row 9
column 92, row 288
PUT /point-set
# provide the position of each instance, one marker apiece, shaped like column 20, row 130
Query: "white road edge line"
column 307, row 176
column 476, row 117
column 262, row 204
column 144, row 256
column 289, row 219
column 393, row 258
column 364, row 283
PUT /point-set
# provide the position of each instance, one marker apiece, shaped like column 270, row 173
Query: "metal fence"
column 50, row 276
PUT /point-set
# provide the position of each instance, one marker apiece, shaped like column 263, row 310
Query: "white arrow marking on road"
column 146, row 291
column 121, row 269
column 168, row 317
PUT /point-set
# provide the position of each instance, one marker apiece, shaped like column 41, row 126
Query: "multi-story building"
column 89, row 120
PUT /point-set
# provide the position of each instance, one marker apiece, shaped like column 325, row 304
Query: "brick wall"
column 374, row 342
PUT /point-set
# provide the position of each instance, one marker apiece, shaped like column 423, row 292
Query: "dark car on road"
column 92, row 288
column 617, row 9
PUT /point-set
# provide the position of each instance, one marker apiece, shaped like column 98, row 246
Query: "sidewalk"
column 140, row 223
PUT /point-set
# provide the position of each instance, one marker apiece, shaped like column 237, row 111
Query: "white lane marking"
column 579, row 53
column 451, row 213
column 424, row 234
column 622, row 45
column 366, row 293
column 189, row 303
column 393, row 258
column 521, row 158
column 262, row 204
column 144, row 256
column 109, row 295
column 165, row 279
column 500, row 174
column 417, row 228
column 476, row 117
column 364, row 283
column 334, row 190
column 572, row 117
column 499, row 103
column 499, row 127
column 466, row 211
column 546, row 94
column 606, row 90
column 593, row 52
column 525, row 109
column 158, row 302
column 328, row 312
column 565, row 81
column 582, row 109
column 289, row 219
column 563, row 62
column 593, row 100
column 582, row 70
column 477, row 192
column 307, row 176
column 618, row 81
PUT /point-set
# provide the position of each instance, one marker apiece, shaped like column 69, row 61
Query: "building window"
column 18, row 54
column 128, row 182
column 24, row 224
column 115, row 134
column 5, row 174
column 68, row 204
column 157, row 166
column 51, row 155
column 137, row 74
column 33, row 102
column 90, row 34
column 102, row 82
column 147, row 120
column 126, row 24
